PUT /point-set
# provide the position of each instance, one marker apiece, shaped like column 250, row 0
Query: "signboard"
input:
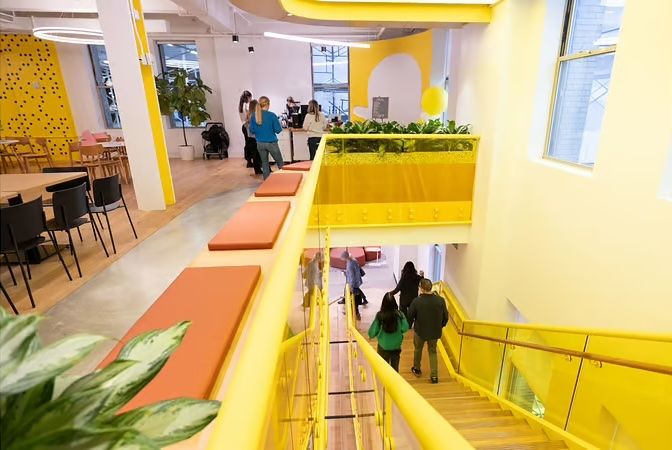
column 380, row 107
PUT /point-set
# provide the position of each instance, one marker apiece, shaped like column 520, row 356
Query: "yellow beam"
column 388, row 12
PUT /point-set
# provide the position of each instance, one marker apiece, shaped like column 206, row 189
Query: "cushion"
column 214, row 299
column 372, row 253
column 335, row 256
column 88, row 138
column 254, row 226
column 279, row 185
column 303, row 166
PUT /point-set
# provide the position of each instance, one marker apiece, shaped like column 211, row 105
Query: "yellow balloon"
column 434, row 101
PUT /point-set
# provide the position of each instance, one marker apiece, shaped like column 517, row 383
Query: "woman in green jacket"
column 389, row 327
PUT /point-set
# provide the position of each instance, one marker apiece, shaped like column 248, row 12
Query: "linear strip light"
column 69, row 35
column 310, row 40
column 429, row 2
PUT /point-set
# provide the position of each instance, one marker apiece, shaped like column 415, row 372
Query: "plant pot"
column 186, row 152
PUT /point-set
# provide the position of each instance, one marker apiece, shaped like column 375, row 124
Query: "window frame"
column 312, row 73
column 164, row 69
column 104, row 107
column 568, row 29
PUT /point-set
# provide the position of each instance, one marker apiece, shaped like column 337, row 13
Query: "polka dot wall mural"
column 33, row 99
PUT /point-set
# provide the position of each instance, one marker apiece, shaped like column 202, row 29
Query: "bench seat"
column 255, row 226
column 280, row 185
column 303, row 166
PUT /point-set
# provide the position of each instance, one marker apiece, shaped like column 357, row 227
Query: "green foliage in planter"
column 37, row 413
column 177, row 93
column 400, row 145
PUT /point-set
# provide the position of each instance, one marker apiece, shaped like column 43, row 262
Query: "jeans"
column 264, row 148
column 419, row 342
column 313, row 143
column 390, row 356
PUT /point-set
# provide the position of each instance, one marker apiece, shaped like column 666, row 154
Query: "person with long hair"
column 389, row 327
column 408, row 284
column 315, row 124
column 243, row 108
column 266, row 126
column 251, row 141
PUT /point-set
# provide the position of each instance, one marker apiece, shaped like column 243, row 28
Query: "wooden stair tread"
column 549, row 445
column 517, row 439
column 501, row 431
column 483, row 413
column 463, row 423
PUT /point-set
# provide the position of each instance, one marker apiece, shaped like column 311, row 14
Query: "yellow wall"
column 364, row 61
column 33, row 100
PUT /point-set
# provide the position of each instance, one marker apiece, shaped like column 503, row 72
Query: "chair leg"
column 9, row 267
column 74, row 252
column 96, row 230
column 9, row 299
column 109, row 229
column 80, row 235
column 100, row 221
column 52, row 236
column 129, row 216
column 25, row 279
column 30, row 275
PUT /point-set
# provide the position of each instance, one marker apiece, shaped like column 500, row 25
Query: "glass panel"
column 482, row 359
column 620, row 407
column 595, row 24
column 103, row 79
column 583, row 88
column 181, row 55
column 539, row 381
column 330, row 79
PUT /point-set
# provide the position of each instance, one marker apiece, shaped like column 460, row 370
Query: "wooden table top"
column 8, row 141
column 113, row 144
column 31, row 185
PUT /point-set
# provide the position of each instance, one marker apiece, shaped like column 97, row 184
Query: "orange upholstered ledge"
column 303, row 166
column 254, row 226
column 279, row 185
column 214, row 299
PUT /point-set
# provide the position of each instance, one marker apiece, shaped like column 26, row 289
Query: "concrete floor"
column 113, row 300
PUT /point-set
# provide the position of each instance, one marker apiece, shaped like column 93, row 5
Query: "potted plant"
column 178, row 93
column 41, row 408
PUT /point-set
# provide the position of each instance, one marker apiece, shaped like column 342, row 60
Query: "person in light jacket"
column 315, row 124
column 265, row 126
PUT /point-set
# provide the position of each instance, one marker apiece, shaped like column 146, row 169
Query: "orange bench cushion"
column 279, row 185
column 254, row 226
column 302, row 166
column 214, row 299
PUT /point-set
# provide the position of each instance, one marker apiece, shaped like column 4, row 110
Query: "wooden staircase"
column 485, row 424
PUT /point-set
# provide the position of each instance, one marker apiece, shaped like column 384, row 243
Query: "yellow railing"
column 425, row 424
column 602, row 387
column 242, row 420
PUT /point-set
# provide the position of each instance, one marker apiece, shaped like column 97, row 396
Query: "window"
column 103, row 77
column 582, row 82
column 180, row 55
column 330, row 79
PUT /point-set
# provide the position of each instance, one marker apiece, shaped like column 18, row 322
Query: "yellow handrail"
column 323, row 361
column 431, row 430
column 251, row 384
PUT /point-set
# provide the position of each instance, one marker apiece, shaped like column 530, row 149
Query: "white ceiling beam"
column 217, row 14
column 80, row 6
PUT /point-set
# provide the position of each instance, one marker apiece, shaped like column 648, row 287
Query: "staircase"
column 485, row 424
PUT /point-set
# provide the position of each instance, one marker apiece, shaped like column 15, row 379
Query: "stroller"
column 215, row 140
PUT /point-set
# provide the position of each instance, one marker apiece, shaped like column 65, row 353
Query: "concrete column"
column 128, row 51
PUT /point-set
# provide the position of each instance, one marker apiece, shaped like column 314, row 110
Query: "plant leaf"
column 88, row 439
column 19, row 407
column 14, row 333
column 154, row 344
column 95, row 379
column 46, row 363
column 169, row 421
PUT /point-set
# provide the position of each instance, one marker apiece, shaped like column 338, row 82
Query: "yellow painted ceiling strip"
column 388, row 12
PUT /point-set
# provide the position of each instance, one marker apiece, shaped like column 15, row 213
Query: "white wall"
column 277, row 69
column 566, row 246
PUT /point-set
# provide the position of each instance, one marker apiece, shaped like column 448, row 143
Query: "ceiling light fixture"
column 250, row 49
column 310, row 40
column 70, row 35
column 235, row 38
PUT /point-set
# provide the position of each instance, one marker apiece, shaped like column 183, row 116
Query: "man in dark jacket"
column 427, row 316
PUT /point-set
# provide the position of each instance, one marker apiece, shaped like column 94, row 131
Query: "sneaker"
column 434, row 380
column 341, row 302
column 416, row 372
column 365, row 302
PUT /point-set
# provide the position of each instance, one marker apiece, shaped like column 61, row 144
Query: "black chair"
column 107, row 197
column 71, row 210
column 21, row 229
column 9, row 299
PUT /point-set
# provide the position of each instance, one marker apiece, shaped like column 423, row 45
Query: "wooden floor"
column 193, row 181
column 482, row 422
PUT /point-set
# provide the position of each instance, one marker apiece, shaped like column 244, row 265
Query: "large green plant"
column 434, row 126
column 39, row 411
column 178, row 93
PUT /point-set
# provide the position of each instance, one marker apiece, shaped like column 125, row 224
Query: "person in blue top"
column 265, row 126
column 389, row 327
column 353, row 278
